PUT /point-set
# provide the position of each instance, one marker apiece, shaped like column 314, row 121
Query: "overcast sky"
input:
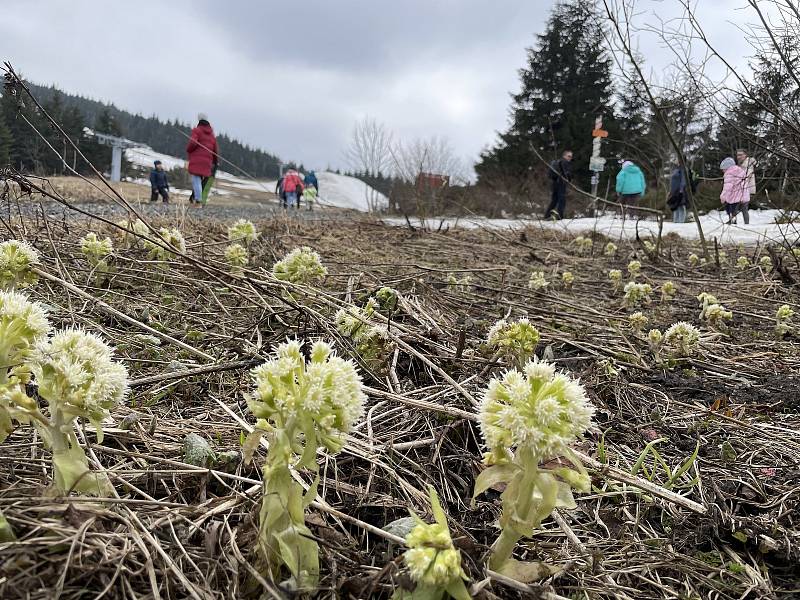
column 292, row 78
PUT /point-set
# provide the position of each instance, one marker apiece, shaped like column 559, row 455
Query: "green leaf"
column 457, row 590
column 438, row 514
column 6, row 532
column 527, row 572
column 741, row 536
column 492, row 476
column 311, row 494
column 250, row 444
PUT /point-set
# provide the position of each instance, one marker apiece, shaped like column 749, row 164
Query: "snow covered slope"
column 762, row 226
column 339, row 191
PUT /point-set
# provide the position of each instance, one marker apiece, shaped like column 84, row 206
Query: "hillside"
column 168, row 137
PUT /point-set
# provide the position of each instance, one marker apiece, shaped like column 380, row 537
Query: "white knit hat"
column 727, row 163
column 202, row 117
column 627, row 163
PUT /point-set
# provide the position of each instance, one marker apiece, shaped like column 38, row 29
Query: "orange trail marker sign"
column 600, row 133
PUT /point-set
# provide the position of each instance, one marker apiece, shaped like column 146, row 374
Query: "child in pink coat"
column 735, row 191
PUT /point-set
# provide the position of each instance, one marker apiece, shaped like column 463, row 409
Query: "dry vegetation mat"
column 693, row 456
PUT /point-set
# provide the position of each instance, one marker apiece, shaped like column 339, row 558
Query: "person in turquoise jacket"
column 630, row 183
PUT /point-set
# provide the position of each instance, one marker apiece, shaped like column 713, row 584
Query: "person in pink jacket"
column 735, row 191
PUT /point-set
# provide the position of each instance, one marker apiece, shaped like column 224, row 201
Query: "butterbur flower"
column 742, row 263
column 649, row 247
column 432, row 559
column 610, row 249
column 134, row 230
column 515, row 341
column 77, row 376
column 715, row 314
column 387, row 299
column 302, row 265
column 654, row 340
column 615, row 276
column 638, row 321
column 537, row 409
column 461, row 285
column 372, row 341
column 242, row 231
column 682, row 339
column 584, row 244
column 236, row 257
column 783, row 320
column 637, row 293
column 16, row 261
column 765, row 262
column 323, row 396
column 95, row 249
column 694, row 260
column 668, row 291
column 537, row 281
column 567, row 278
column 634, row 268
column 723, row 257
column 705, row 299
column 172, row 237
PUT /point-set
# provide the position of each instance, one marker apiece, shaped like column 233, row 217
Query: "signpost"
column 597, row 163
column 117, row 144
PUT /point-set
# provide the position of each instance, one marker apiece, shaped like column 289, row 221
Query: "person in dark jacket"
column 560, row 172
column 678, row 200
column 311, row 179
column 159, row 184
column 203, row 156
column 279, row 191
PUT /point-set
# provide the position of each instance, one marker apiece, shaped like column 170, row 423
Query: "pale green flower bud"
column 765, row 262
column 461, row 285
column 16, row 260
column 637, row 293
column 584, row 244
column 610, row 249
column 302, row 265
column 783, row 319
column 236, row 257
column 515, row 341
column 694, row 260
column 173, row 238
column 649, row 247
column 668, row 291
column 716, row 313
column 94, row 249
column 567, row 278
column 638, row 321
column 634, row 268
column 742, row 263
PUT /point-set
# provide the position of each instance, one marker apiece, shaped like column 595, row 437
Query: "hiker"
column 159, row 184
column 630, row 183
column 279, row 191
column 735, row 191
column 560, row 173
column 677, row 199
column 749, row 165
column 203, row 157
column 311, row 179
column 310, row 196
column 292, row 188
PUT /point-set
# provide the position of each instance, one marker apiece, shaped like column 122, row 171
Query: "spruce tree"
column 5, row 143
column 565, row 86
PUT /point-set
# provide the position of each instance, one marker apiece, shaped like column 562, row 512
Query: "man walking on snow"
column 560, row 173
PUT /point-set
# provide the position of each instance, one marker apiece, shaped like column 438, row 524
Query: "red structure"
column 431, row 182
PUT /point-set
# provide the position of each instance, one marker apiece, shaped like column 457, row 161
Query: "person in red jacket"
column 203, row 156
column 292, row 187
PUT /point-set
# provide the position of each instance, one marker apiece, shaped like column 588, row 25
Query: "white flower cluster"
column 634, row 268
column 610, row 249
column 649, row 247
column 715, row 314
column 242, row 231
column 537, row 281
column 682, row 339
column 584, row 244
column 16, row 260
column 637, row 293
column 302, row 265
column 323, row 396
column 783, row 320
column 567, row 278
column 372, row 341
column 615, row 276
column 516, row 341
column 75, row 372
column 94, row 249
column 134, row 229
column 765, row 262
column 537, row 408
column 694, row 260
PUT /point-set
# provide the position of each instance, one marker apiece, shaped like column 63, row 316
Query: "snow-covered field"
column 762, row 227
column 339, row 191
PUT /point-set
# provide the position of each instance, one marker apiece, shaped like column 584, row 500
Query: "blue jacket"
column 677, row 182
column 158, row 180
column 630, row 180
column 311, row 179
